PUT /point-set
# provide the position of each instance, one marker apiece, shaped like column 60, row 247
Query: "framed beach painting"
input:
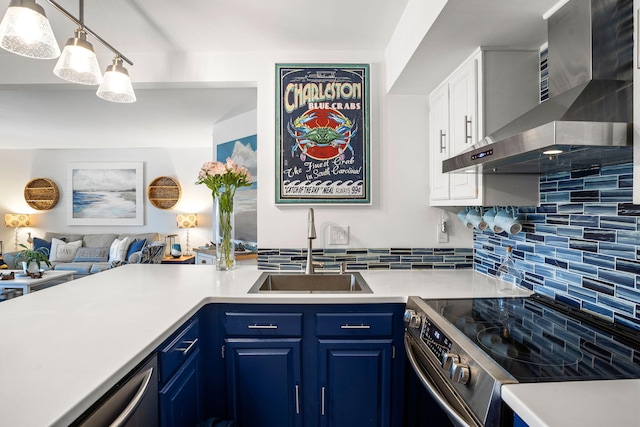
column 322, row 136
column 105, row 193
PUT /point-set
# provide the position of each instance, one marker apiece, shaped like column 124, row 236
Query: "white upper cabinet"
column 489, row 89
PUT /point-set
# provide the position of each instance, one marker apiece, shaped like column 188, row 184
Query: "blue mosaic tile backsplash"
column 580, row 246
column 368, row 259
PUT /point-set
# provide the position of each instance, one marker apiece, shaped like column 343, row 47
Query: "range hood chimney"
column 587, row 120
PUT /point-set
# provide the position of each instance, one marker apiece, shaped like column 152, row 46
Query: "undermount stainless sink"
column 329, row 283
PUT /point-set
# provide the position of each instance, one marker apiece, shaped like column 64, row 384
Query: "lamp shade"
column 25, row 30
column 16, row 220
column 187, row 220
column 78, row 62
column 116, row 86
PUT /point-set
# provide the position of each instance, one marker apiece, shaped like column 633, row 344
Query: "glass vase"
column 225, row 232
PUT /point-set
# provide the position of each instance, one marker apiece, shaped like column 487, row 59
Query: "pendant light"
column 25, row 30
column 78, row 62
column 116, row 86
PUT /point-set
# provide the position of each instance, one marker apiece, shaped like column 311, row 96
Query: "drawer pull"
column 269, row 326
column 355, row 326
column 191, row 344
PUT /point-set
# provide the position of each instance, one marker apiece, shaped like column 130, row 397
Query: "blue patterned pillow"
column 41, row 243
column 135, row 247
column 91, row 255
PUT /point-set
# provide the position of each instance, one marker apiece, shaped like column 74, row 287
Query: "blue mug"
column 474, row 218
column 507, row 220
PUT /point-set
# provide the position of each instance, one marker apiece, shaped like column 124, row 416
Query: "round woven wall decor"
column 164, row 192
column 41, row 194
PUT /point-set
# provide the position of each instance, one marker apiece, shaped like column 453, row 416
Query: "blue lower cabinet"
column 518, row 422
column 263, row 381
column 355, row 382
column 180, row 398
column 314, row 365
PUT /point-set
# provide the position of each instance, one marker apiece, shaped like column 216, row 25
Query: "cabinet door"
column 439, row 142
column 180, row 398
column 355, row 382
column 263, row 381
column 463, row 125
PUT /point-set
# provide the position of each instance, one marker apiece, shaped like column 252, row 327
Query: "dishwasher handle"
column 135, row 401
column 453, row 415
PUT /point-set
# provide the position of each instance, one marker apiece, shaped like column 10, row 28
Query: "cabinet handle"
column 443, row 134
column 355, row 327
column 322, row 400
column 191, row 344
column 135, row 402
column 468, row 135
column 297, row 399
column 269, row 326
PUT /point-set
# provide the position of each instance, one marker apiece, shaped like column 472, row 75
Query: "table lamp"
column 187, row 221
column 16, row 221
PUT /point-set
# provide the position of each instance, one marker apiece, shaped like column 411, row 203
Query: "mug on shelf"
column 474, row 217
column 490, row 218
column 462, row 216
column 507, row 219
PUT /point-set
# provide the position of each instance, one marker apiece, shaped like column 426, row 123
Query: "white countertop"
column 576, row 403
column 63, row 347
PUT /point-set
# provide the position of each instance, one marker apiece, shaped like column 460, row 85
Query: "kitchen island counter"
column 62, row 348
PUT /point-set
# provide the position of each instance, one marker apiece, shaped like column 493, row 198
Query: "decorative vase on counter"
column 176, row 250
column 225, row 232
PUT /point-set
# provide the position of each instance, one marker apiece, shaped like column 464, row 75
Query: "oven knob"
column 416, row 321
column 460, row 373
column 448, row 359
column 413, row 319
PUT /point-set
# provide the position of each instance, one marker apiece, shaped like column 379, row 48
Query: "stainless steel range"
column 464, row 350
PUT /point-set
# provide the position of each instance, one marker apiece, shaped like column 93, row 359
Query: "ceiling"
column 65, row 115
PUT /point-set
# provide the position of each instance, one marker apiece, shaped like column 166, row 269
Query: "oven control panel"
column 435, row 340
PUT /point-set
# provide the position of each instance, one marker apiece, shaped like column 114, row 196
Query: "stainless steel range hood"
column 589, row 113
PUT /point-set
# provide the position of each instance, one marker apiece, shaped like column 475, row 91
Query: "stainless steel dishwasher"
column 133, row 402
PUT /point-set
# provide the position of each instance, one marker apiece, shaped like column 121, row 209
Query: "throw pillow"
column 41, row 243
column 92, row 255
column 136, row 246
column 63, row 252
column 118, row 249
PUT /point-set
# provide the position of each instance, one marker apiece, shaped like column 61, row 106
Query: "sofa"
column 86, row 254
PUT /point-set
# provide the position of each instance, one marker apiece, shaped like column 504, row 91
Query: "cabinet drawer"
column 263, row 324
column 178, row 349
column 354, row 324
column 205, row 259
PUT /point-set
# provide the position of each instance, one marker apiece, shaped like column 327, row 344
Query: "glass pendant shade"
column 116, row 86
column 78, row 62
column 25, row 30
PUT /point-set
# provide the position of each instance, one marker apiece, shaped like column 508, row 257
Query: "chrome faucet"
column 311, row 234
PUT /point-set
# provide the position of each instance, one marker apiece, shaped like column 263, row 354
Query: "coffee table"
column 27, row 284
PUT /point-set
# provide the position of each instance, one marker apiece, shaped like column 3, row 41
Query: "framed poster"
column 322, row 148
column 105, row 193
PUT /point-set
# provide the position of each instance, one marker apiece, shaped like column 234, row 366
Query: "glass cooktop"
column 536, row 340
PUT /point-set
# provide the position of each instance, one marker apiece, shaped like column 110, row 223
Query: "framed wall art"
column 322, row 148
column 105, row 193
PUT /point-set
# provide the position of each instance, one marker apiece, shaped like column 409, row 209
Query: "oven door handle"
column 442, row 402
